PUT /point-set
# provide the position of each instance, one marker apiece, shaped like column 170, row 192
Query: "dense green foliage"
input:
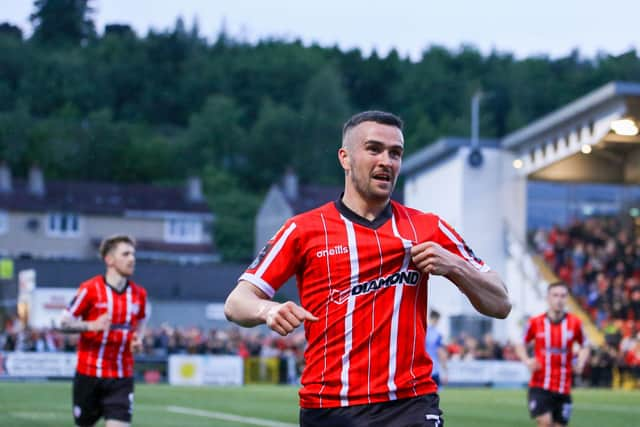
column 160, row 107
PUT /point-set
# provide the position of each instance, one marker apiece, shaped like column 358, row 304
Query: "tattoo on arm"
column 71, row 325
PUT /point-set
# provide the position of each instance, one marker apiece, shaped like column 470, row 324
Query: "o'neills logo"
column 336, row 250
column 409, row 278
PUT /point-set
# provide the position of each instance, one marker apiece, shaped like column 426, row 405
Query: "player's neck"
column 555, row 315
column 115, row 280
column 369, row 209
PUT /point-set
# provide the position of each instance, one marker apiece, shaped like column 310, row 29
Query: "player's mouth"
column 382, row 176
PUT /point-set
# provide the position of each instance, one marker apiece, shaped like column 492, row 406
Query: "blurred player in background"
column 109, row 312
column 554, row 334
column 436, row 349
column 362, row 264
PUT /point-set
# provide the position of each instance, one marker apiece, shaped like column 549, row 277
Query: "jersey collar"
column 113, row 288
column 556, row 321
column 377, row 222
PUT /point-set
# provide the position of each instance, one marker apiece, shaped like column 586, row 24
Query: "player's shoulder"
column 92, row 282
column 573, row 318
column 312, row 216
column 136, row 287
column 538, row 318
column 412, row 213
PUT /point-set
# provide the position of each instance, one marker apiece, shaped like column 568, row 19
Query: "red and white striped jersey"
column 358, row 278
column 553, row 348
column 107, row 354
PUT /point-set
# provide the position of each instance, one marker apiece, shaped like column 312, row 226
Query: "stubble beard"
column 367, row 192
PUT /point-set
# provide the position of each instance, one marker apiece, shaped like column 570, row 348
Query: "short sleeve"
column 277, row 261
column 81, row 302
column 449, row 239
column 142, row 312
column 529, row 333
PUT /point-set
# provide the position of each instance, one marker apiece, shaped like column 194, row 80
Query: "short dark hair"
column 557, row 285
column 434, row 314
column 381, row 117
column 109, row 243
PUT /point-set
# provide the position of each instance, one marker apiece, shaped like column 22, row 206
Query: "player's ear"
column 343, row 158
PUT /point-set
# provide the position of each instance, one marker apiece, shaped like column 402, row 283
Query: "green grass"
column 48, row 405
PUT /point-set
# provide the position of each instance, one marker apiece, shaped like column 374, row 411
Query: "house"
column 286, row 199
column 67, row 219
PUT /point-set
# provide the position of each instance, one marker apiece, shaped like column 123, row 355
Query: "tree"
column 324, row 111
column 214, row 136
column 235, row 211
column 62, row 22
column 8, row 29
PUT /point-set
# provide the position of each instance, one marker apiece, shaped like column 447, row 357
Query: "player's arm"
column 583, row 357
column 138, row 336
column 443, row 358
column 531, row 362
column 249, row 306
column 137, row 339
column 71, row 324
column 485, row 290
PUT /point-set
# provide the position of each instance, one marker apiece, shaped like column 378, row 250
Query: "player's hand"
column 136, row 343
column 102, row 323
column 444, row 377
column 431, row 258
column 284, row 318
column 533, row 364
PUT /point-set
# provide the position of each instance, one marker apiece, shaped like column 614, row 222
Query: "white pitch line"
column 228, row 417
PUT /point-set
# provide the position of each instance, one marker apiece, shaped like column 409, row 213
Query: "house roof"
column 313, row 196
column 100, row 198
column 592, row 100
column 440, row 149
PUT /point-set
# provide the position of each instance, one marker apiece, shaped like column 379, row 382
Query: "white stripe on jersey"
column 259, row 282
column 547, row 353
column 460, row 246
column 275, row 250
column 105, row 333
column 256, row 278
column 77, row 301
column 348, row 318
column 125, row 332
column 564, row 355
column 373, row 318
column 326, row 312
column 397, row 299
column 415, row 311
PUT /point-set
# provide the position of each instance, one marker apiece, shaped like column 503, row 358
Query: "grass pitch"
column 45, row 404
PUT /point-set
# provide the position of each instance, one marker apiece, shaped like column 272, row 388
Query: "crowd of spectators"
column 599, row 258
column 163, row 341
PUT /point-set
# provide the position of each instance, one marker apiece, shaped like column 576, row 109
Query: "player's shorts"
column 543, row 401
column 420, row 411
column 111, row 398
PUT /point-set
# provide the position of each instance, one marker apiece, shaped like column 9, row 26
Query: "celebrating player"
column 362, row 265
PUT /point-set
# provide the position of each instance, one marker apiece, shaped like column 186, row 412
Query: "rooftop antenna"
column 475, row 158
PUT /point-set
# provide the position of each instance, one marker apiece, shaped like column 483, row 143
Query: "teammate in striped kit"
column 109, row 312
column 362, row 264
column 554, row 334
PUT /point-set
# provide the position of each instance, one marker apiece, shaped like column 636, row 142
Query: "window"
column 4, row 222
column 63, row 224
column 179, row 230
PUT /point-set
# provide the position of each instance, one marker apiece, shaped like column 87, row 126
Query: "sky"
column 524, row 28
